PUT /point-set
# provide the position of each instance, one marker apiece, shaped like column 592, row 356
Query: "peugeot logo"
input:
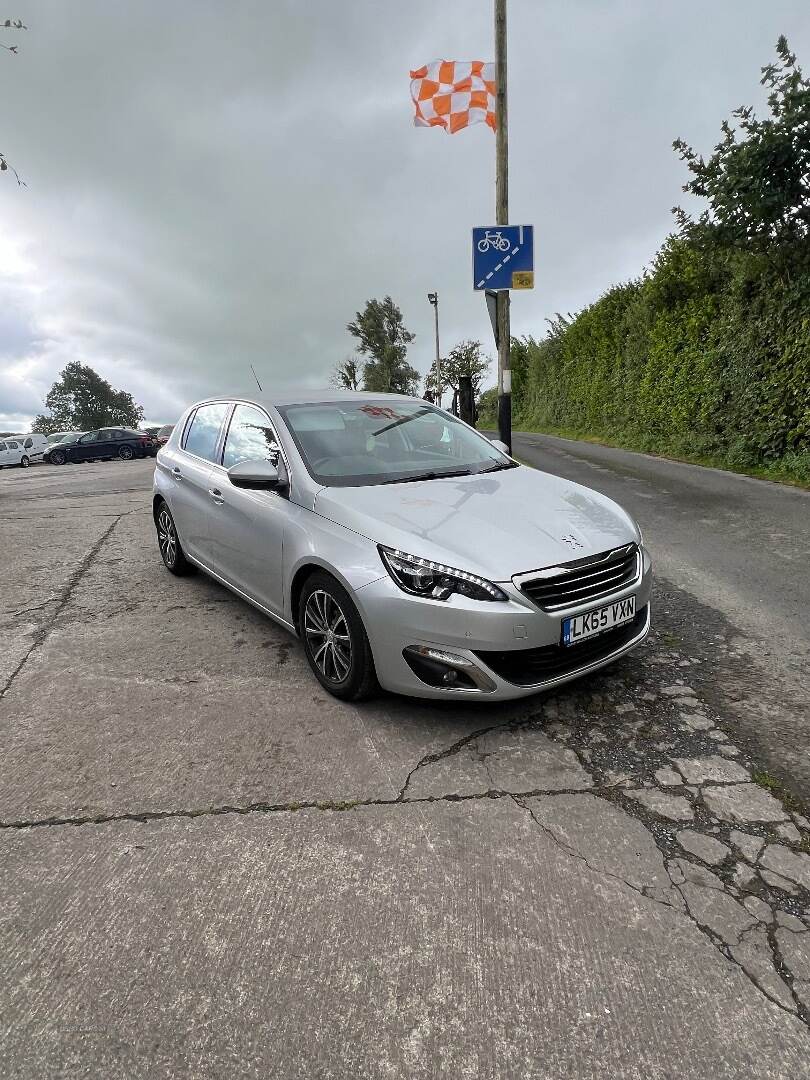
column 571, row 541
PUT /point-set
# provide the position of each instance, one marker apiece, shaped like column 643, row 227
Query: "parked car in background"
column 67, row 437
column 152, row 430
column 103, row 445
column 34, row 445
column 59, row 436
column 402, row 546
column 164, row 434
column 12, row 452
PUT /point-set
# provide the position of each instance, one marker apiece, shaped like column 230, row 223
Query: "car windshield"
column 359, row 443
column 74, row 436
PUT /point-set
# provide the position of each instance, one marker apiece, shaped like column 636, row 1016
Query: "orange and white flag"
column 454, row 94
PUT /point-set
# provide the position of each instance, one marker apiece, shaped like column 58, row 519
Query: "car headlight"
column 422, row 577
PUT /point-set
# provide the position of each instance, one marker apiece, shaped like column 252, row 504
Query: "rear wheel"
column 126, row 453
column 24, row 462
column 335, row 640
column 171, row 551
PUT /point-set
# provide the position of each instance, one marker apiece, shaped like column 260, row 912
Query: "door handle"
column 176, row 473
column 216, row 495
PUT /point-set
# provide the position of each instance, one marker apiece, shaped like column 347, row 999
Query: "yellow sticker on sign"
column 523, row 279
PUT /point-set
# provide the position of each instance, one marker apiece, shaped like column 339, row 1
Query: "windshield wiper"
column 402, row 420
column 499, row 465
column 428, row 476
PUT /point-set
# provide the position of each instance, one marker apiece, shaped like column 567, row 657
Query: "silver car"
column 405, row 549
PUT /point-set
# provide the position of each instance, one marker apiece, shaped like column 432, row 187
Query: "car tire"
column 57, row 457
column 341, row 662
column 171, row 550
column 126, row 453
column 24, row 462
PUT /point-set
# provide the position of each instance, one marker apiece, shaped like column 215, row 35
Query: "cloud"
column 211, row 186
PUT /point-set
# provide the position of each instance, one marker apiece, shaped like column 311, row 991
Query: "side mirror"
column 504, row 449
column 258, row 474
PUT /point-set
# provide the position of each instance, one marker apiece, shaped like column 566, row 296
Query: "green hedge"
column 706, row 356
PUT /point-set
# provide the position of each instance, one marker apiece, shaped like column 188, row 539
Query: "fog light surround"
column 447, row 670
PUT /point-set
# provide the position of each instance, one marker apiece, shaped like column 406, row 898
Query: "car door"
column 190, row 466
column 5, row 455
column 247, row 527
column 106, row 445
column 84, row 448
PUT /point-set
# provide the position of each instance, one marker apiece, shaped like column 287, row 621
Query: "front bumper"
column 396, row 621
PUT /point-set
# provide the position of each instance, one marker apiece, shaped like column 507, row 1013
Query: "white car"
column 34, row 445
column 12, row 452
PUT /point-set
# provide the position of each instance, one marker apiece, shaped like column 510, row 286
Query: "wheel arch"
column 302, row 573
column 157, row 501
column 312, row 565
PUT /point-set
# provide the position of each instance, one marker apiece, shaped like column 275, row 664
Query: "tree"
column 488, row 408
column 463, row 359
column 11, row 24
column 383, row 338
column 348, row 374
column 758, row 185
column 80, row 400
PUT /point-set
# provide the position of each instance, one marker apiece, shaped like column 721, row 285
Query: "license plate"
column 580, row 627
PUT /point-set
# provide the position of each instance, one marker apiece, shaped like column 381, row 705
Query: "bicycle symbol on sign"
column 493, row 240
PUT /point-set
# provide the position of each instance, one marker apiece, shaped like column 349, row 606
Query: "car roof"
column 309, row 397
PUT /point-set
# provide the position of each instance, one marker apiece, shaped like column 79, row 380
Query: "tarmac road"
column 209, row 868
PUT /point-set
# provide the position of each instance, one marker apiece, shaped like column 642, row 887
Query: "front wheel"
column 126, row 453
column 58, row 457
column 24, row 462
column 335, row 640
column 171, row 552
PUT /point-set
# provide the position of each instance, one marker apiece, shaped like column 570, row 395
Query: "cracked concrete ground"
column 208, row 868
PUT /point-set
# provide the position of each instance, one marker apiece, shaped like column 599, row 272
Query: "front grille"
column 528, row 667
column 582, row 580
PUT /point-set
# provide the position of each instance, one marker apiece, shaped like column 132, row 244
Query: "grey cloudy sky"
column 211, row 185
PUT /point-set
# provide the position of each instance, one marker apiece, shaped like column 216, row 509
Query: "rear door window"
column 202, row 436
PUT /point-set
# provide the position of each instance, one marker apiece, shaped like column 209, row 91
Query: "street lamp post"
column 433, row 298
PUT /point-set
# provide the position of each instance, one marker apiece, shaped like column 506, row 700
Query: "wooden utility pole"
column 433, row 297
column 502, row 218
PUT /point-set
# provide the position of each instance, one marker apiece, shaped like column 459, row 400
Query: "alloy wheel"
column 167, row 538
column 126, row 452
column 327, row 634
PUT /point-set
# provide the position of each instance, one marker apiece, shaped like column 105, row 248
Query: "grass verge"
column 780, row 472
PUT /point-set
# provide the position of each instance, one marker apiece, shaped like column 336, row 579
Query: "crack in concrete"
column 722, row 947
column 452, row 750
column 62, row 598
column 784, row 972
column 36, row 607
column 324, row 805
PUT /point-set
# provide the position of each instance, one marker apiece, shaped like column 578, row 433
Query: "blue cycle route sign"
column 503, row 257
